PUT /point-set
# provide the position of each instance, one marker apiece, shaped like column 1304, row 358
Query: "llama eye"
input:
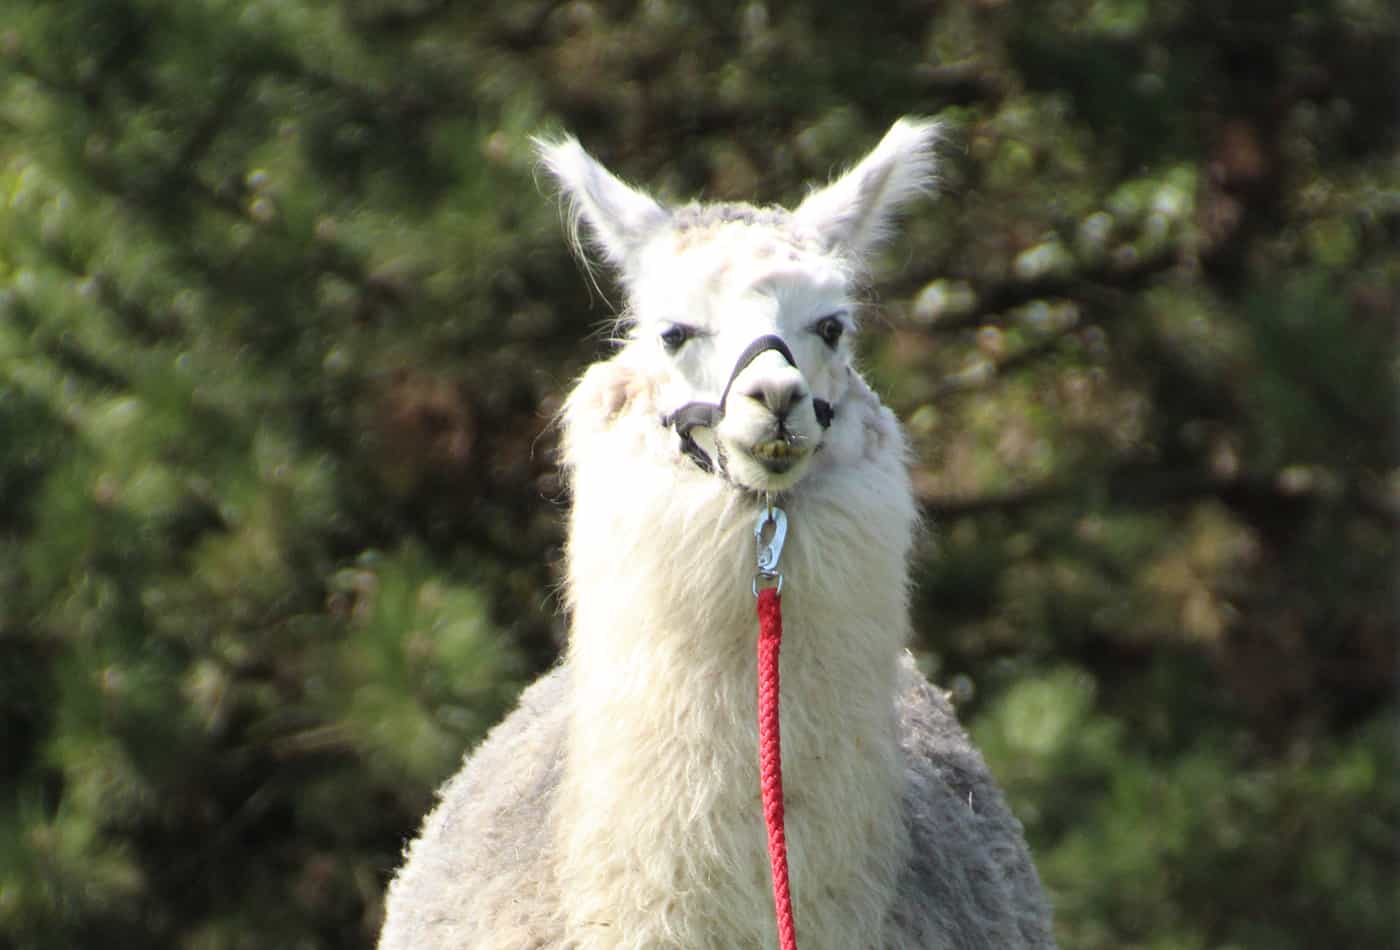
column 830, row 330
column 674, row 336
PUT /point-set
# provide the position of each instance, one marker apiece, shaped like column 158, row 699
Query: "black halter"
column 708, row 414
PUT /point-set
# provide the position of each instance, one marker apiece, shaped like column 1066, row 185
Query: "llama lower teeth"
column 777, row 455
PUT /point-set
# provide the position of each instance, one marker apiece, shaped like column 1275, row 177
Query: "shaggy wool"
column 618, row 806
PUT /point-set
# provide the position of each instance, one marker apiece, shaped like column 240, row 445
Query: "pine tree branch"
column 1101, row 304
column 1140, row 485
column 993, row 302
column 987, row 372
column 962, row 83
column 207, row 131
column 397, row 19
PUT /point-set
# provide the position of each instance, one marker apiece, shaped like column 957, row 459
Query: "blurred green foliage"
column 284, row 316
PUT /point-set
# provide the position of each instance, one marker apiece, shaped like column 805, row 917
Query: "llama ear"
column 853, row 213
column 620, row 218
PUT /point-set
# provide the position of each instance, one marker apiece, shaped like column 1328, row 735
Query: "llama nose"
column 778, row 395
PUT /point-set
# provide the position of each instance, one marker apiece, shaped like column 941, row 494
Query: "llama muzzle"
column 777, row 454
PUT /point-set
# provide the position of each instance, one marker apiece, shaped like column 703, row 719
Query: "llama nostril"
column 778, row 397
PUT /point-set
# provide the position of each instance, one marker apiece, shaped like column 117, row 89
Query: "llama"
column 618, row 806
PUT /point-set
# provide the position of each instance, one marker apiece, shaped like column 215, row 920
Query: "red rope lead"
column 770, row 759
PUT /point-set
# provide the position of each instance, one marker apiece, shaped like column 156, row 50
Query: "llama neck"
column 661, row 789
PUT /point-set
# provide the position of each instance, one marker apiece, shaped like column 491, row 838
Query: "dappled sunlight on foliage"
column 285, row 315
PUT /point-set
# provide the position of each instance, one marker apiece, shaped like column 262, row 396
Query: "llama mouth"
column 777, row 455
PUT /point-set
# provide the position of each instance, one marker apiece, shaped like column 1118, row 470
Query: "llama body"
column 619, row 805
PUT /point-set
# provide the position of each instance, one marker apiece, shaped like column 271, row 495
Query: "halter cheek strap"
column 708, row 414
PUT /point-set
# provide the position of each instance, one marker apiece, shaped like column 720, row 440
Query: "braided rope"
column 770, row 759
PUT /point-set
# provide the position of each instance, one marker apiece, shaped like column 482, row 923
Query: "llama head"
column 706, row 280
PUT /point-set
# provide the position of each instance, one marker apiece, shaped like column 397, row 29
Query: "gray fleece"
column 480, row 873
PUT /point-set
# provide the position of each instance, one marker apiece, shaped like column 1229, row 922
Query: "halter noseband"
column 708, row 415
